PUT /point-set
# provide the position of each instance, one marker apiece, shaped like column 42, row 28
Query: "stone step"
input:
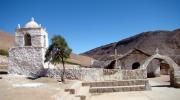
column 117, row 89
column 78, row 92
column 83, row 93
column 66, row 96
column 177, row 85
column 3, row 67
column 73, row 89
column 177, row 79
column 3, row 71
column 116, row 83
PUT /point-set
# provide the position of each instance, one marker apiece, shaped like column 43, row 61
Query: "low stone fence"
column 97, row 74
column 134, row 74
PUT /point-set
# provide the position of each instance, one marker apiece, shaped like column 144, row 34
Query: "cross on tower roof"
column 32, row 19
column 157, row 51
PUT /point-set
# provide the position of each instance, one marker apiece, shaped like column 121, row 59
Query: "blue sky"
column 87, row 24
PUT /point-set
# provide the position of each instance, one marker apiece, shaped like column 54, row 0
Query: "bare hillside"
column 168, row 43
column 6, row 40
column 80, row 59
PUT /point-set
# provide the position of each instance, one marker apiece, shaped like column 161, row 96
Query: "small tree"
column 58, row 52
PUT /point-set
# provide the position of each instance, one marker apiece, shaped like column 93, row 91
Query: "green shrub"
column 3, row 52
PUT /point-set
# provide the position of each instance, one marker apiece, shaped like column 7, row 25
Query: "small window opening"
column 135, row 65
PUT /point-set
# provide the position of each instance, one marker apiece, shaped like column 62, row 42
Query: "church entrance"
column 161, row 76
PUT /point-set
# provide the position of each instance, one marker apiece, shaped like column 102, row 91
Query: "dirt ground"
column 20, row 88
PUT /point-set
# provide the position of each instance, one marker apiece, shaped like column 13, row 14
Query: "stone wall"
column 27, row 61
column 97, row 74
column 128, row 60
column 134, row 74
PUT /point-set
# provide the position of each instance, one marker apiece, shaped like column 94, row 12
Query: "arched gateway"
column 174, row 69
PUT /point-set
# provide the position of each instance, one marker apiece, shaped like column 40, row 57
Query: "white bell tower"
column 28, row 55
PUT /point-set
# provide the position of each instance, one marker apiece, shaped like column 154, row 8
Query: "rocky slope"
column 168, row 43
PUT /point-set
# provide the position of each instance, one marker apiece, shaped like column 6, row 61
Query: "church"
column 133, row 59
column 28, row 55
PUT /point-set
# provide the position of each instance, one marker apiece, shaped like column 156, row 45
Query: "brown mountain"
column 6, row 40
column 80, row 59
column 168, row 43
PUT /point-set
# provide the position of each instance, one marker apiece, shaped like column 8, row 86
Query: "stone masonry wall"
column 27, row 61
column 97, row 74
column 37, row 37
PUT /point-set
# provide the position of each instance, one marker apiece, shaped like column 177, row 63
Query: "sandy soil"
column 20, row 88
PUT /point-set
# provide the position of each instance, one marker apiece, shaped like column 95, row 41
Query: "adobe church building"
column 28, row 55
column 134, row 58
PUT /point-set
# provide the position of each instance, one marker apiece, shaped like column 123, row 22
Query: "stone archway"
column 174, row 69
